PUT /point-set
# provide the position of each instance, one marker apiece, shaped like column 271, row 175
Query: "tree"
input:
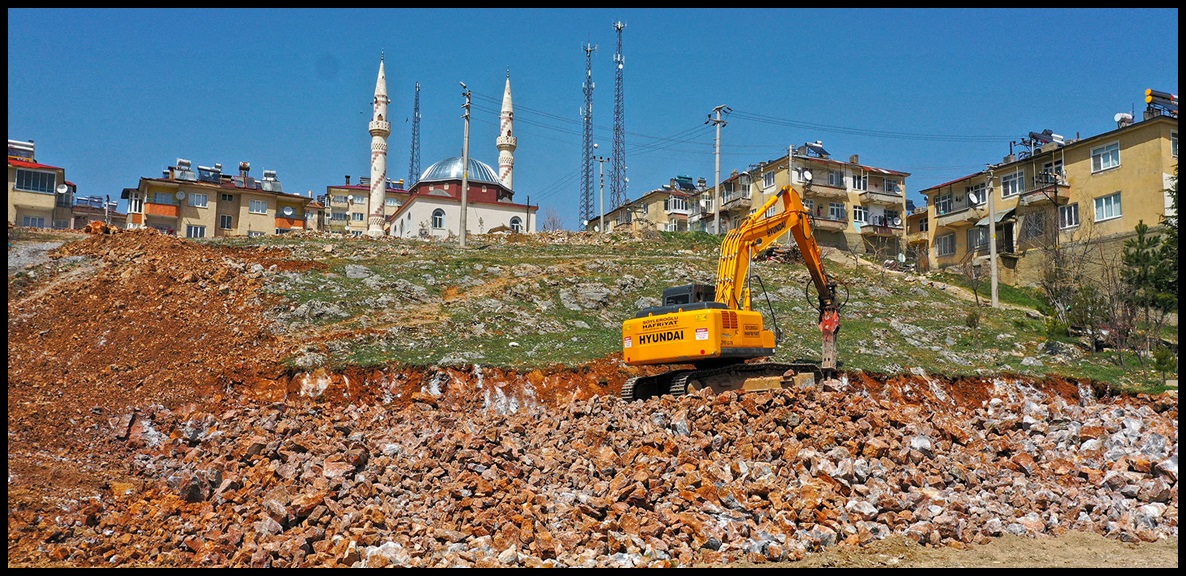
column 973, row 273
column 1148, row 276
column 552, row 221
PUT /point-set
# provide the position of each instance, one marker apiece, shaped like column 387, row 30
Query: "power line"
column 762, row 119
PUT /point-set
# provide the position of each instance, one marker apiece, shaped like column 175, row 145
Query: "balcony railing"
column 1047, row 186
column 961, row 217
column 680, row 211
column 880, row 230
column 829, row 225
column 881, row 198
column 825, row 191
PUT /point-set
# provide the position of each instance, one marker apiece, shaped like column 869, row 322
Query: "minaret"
column 380, row 129
column 506, row 139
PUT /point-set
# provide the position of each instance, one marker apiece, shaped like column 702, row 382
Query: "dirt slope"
column 141, row 360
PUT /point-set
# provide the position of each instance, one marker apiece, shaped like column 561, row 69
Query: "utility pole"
column 992, row 239
column 716, row 193
column 464, row 163
column 601, row 174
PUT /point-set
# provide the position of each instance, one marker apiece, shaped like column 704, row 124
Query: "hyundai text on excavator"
column 715, row 328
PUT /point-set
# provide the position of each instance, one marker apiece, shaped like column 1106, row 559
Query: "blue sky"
column 113, row 95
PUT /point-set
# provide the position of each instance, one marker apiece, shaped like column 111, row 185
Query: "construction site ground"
column 138, row 362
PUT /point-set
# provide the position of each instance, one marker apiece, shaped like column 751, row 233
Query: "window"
column 836, row 178
column 254, row 234
column 977, row 238
column 1174, row 144
column 357, row 216
column 1068, row 216
column 225, row 221
column 890, row 216
column 768, row 179
column 860, row 182
column 810, row 206
column 836, row 211
column 646, row 208
column 892, row 186
column 516, row 224
column 33, row 221
column 135, row 203
column 1034, row 225
column 356, row 233
column 1105, row 157
column 1107, row 207
column 1051, row 174
column 339, row 200
column 339, row 216
column 164, row 198
column 391, row 202
column 226, row 197
column 943, row 204
column 30, row 181
column 859, row 214
column 438, row 218
column 258, row 207
column 192, row 231
column 1012, row 184
column 977, row 194
column 61, row 224
column 945, row 245
column 675, row 203
column 924, row 224
column 198, row 200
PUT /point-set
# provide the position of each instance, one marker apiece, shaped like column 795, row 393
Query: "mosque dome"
column 450, row 169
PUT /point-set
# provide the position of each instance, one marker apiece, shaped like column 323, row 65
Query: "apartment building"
column 1056, row 192
column 854, row 207
column 344, row 206
column 39, row 196
column 207, row 203
column 665, row 209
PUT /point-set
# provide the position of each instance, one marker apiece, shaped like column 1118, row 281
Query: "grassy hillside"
column 560, row 298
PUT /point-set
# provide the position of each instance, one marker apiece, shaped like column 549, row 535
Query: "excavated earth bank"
column 150, row 424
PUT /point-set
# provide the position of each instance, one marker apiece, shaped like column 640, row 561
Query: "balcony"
column 881, row 231
column 678, row 212
column 825, row 191
column 1048, row 187
column 958, row 218
column 736, row 203
column 166, row 210
column 825, row 224
column 917, row 237
column 881, row 198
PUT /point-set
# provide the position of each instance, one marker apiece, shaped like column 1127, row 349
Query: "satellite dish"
column 62, row 188
column 350, row 199
column 181, row 195
column 288, row 210
column 901, row 257
column 897, row 222
column 807, row 175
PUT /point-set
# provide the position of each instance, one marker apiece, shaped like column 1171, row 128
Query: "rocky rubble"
column 694, row 480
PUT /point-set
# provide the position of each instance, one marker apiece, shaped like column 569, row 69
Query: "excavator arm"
column 762, row 228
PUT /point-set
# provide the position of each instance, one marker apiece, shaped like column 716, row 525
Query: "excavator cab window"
column 688, row 294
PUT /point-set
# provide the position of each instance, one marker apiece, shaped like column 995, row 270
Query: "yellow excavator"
column 715, row 328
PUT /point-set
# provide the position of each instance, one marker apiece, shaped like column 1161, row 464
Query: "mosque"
column 433, row 205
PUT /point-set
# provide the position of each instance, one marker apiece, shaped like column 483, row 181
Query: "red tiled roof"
column 26, row 164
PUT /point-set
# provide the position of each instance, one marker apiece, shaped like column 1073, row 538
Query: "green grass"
column 498, row 318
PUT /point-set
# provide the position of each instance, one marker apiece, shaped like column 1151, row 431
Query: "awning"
column 1000, row 216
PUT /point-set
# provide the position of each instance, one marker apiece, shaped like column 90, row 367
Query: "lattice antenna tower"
column 587, row 193
column 414, row 164
column 618, row 156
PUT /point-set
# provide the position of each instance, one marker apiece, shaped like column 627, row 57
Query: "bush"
column 972, row 320
column 1056, row 329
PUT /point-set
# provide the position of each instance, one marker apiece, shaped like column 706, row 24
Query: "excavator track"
column 736, row 377
column 741, row 377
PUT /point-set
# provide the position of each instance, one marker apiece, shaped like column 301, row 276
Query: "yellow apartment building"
column 206, row 203
column 1063, row 192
